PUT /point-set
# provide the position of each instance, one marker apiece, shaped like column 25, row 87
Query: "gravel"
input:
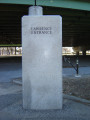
column 79, row 87
column 71, row 111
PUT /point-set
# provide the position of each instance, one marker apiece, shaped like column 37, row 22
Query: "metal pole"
column 15, row 50
column 77, row 62
column 75, row 67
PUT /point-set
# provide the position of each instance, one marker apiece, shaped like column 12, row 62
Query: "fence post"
column 77, row 65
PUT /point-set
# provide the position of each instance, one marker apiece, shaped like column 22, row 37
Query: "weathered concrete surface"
column 42, row 62
column 35, row 10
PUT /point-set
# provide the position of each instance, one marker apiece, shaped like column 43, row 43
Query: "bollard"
column 77, row 66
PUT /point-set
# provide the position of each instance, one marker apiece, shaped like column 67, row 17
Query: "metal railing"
column 76, row 68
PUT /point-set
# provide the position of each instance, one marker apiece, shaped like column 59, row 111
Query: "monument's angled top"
column 72, row 4
column 41, row 15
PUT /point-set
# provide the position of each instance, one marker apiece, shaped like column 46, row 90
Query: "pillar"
column 41, row 60
column 84, row 53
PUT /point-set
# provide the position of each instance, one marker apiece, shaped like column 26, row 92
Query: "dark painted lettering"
column 41, row 30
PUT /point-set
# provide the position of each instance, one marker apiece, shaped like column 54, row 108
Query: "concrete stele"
column 42, row 62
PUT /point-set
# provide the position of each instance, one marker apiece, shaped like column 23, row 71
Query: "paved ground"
column 11, row 107
column 12, row 68
column 11, row 98
column 72, row 72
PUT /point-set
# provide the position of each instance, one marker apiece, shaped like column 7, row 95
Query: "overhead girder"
column 71, row 4
column 76, row 24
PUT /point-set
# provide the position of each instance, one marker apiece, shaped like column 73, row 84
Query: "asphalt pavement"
column 11, row 68
column 11, row 106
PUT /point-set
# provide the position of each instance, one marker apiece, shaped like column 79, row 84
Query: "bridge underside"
column 76, row 24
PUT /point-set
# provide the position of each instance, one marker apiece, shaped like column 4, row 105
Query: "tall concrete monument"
column 42, row 60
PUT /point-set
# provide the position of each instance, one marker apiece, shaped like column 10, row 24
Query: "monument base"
column 77, row 75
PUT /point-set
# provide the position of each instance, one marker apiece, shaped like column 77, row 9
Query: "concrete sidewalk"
column 11, row 107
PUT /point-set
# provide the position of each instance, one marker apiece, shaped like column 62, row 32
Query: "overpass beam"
column 84, row 52
column 72, row 4
column 77, row 53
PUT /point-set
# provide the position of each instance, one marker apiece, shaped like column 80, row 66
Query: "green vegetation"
column 10, row 45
